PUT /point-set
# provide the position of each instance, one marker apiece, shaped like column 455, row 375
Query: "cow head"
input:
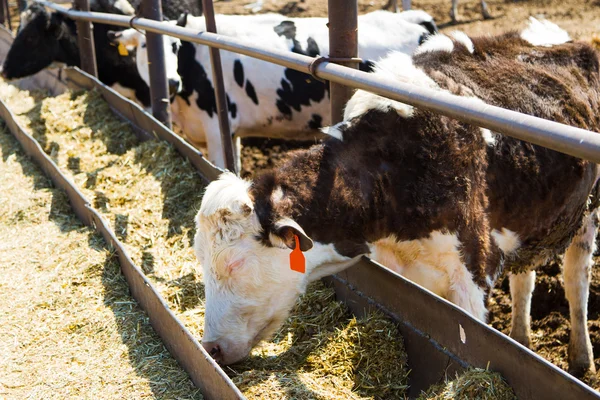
column 135, row 40
column 250, row 288
column 42, row 38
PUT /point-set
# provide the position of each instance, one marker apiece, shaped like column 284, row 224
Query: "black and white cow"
column 264, row 99
column 445, row 203
column 49, row 38
column 45, row 38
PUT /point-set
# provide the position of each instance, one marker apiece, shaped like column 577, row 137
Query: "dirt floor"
column 581, row 18
column 68, row 325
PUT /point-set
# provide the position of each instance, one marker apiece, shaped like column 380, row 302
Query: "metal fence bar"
column 159, row 92
column 343, row 43
column 563, row 138
column 85, row 39
column 220, row 96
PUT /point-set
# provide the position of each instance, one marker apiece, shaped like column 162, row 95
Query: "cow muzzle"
column 214, row 350
column 225, row 352
column 174, row 86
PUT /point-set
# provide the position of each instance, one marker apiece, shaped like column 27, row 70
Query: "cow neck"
column 301, row 190
column 68, row 49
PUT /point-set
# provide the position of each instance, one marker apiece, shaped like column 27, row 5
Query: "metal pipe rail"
column 220, row 96
column 563, row 138
column 159, row 93
column 85, row 40
column 343, row 43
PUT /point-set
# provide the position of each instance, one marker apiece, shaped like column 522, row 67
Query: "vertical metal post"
column 2, row 13
column 8, row 15
column 343, row 43
column 215, row 60
column 406, row 5
column 85, row 40
column 159, row 92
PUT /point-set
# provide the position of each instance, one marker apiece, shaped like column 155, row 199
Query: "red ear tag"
column 297, row 260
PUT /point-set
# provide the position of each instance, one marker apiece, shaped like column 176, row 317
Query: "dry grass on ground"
column 150, row 195
column 69, row 328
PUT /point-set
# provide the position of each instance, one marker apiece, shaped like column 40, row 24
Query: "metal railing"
column 563, row 138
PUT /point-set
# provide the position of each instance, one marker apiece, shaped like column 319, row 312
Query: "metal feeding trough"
column 440, row 338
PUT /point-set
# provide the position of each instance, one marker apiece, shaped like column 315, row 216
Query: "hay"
column 69, row 328
column 475, row 383
column 322, row 352
column 150, row 195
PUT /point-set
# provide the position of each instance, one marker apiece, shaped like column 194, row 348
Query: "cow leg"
column 454, row 11
column 393, row 5
column 577, row 267
column 521, row 289
column 213, row 143
column 465, row 293
column 485, row 11
column 237, row 152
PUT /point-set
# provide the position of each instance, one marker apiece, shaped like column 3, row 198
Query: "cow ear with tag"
column 126, row 41
column 284, row 232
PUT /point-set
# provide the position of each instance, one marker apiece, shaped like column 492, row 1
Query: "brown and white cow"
column 445, row 203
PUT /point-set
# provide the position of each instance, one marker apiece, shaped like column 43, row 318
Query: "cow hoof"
column 581, row 363
column 582, row 369
column 453, row 18
column 521, row 338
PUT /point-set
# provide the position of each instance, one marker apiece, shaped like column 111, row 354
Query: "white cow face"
column 249, row 285
column 135, row 40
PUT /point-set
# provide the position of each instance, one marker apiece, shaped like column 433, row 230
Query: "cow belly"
column 435, row 263
column 412, row 260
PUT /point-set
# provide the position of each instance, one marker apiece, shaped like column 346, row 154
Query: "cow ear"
column 128, row 37
column 54, row 25
column 227, row 223
column 283, row 233
column 182, row 20
column 113, row 36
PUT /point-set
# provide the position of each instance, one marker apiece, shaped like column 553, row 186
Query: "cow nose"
column 173, row 86
column 214, row 350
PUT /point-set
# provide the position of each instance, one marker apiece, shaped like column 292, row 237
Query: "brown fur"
column 409, row 177
column 538, row 193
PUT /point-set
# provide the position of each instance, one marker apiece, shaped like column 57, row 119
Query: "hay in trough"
column 475, row 383
column 150, row 195
column 323, row 352
column 69, row 328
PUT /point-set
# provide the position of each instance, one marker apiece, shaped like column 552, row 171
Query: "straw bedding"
column 150, row 196
column 68, row 327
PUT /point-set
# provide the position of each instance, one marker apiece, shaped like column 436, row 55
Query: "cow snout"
column 214, row 350
column 174, row 86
